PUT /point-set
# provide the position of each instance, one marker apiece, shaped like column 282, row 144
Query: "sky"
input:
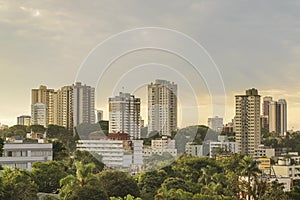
column 252, row 43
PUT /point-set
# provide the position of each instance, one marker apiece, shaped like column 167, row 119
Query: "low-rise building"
column 22, row 154
column 212, row 148
column 161, row 146
column 284, row 168
column 264, row 152
column 117, row 154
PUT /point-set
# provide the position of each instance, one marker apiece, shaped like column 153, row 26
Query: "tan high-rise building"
column 273, row 116
column 265, row 112
column 59, row 110
column 278, row 117
column 45, row 96
column 247, row 121
column 162, row 107
column 64, row 111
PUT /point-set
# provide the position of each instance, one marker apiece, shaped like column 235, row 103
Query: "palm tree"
column 248, row 169
column 83, row 176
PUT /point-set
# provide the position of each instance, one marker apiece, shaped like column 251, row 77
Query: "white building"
column 39, row 114
column 160, row 146
column 162, row 107
column 83, row 104
column 116, row 154
column 215, row 123
column 124, row 115
column 193, row 149
column 22, row 155
column 210, row 148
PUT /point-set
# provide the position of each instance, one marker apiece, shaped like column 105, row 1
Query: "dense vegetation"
column 81, row 175
column 187, row 178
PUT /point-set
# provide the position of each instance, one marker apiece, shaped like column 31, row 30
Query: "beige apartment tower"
column 65, row 107
column 278, row 117
column 162, row 107
column 247, row 122
column 48, row 97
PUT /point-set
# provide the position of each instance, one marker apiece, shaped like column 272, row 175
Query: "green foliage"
column 62, row 134
column 158, row 161
column 37, row 128
column 55, row 131
column 47, row 175
column 83, row 177
column 150, row 182
column 60, row 151
column 104, row 125
column 18, row 184
column 128, row 197
column 86, row 157
column 118, row 184
column 1, row 146
column 88, row 192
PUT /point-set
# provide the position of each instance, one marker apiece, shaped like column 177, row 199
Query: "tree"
column 18, row 184
column 37, row 128
column 86, row 157
column 249, row 172
column 118, row 184
column 60, row 151
column 48, row 174
column 88, row 192
column 128, row 197
column 150, row 182
column 83, row 177
column 1, row 146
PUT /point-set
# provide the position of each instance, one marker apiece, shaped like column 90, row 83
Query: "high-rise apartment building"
column 45, row 96
column 24, row 120
column 278, row 117
column 39, row 114
column 215, row 123
column 64, row 105
column 124, row 115
column 162, row 107
column 247, row 121
column 265, row 112
column 282, row 107
column 83, row 104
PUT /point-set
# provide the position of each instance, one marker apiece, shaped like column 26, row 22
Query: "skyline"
column 254, row 45
column 144, row 108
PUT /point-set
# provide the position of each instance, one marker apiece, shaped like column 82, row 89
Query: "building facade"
column 162, row 107
column 124, row 115
column 24, row 120
column 39, row 114
column 22, row 155
column 161, row 146
column 278, row 117
column 46, row 96
column 64, row 107
column 247, row 122
column 215, row 123
column 83, row 104
column 116, row 154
